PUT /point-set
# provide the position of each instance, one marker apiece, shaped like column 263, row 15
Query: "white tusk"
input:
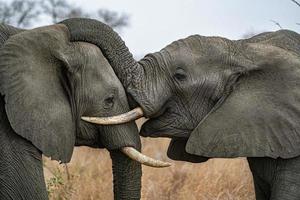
column 118, row 119
column 143, row 159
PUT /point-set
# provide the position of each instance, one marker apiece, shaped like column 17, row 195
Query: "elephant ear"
column 260, row 117
column 37, row 104
column 7, row 31
column 176, row 151
column 284, row 39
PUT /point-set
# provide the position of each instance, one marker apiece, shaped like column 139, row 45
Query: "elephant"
column 47, row 84
column 217, row 98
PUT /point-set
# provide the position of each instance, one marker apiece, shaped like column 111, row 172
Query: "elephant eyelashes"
column 180, row 74
column 109, row 101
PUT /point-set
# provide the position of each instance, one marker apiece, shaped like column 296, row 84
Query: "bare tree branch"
column 61, row 9
column 5, row 13
column 249, row 34
column 56, row 9
column 23, row 13
column 77, row 12
column 276, row 23
column 20, row 13
column 296, row 2
column 26, row 11
column 113, row 19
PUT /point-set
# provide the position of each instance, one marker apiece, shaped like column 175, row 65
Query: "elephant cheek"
column 163, row 126
column 155, row 128
column 148, row 129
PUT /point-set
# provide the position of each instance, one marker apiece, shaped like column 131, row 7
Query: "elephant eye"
column 180, row 74
column 109, row 101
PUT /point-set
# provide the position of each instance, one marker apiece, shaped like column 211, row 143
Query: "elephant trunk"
column 110, row 43
column 130, row 72
column 126, row 176
column 6, row 31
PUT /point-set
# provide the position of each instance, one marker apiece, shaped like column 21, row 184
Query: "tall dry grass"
column 90, row 177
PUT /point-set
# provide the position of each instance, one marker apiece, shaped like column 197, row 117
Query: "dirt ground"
column 89, row 177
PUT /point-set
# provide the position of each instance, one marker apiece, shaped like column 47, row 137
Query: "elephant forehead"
column 197, row 49
column 52, row 37
column 97, row 68
column 197, row 65
column 93, row 59
column 89, row 50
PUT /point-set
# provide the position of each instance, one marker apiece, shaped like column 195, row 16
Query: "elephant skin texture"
column 47, row 83
column 218, row 98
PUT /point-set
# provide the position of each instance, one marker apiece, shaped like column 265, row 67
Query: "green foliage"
column 55, row 182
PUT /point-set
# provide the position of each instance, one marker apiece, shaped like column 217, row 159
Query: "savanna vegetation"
column 88, row 176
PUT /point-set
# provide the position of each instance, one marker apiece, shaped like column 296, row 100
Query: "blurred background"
column 148, row 26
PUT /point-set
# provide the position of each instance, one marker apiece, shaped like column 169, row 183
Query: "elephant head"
column 49, row 83
column 214, row 97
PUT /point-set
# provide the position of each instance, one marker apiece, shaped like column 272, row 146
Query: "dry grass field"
column 90, row 177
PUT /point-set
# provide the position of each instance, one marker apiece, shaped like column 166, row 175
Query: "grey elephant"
column 47, row 83
column 218, row 98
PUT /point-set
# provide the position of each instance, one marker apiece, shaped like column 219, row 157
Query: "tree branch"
column 276, row 23
column 296, row 2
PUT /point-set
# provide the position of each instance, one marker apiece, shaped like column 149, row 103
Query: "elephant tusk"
column 143, row 159
column 118, row 119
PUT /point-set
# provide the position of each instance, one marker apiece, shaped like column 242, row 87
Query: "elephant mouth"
column 129, row 151
column 158, row 124
column 156, row 127
column 165, row 108
column 167, row 124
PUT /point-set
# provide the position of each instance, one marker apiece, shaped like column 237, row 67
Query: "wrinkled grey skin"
column 218, row 98
column 47, row 83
